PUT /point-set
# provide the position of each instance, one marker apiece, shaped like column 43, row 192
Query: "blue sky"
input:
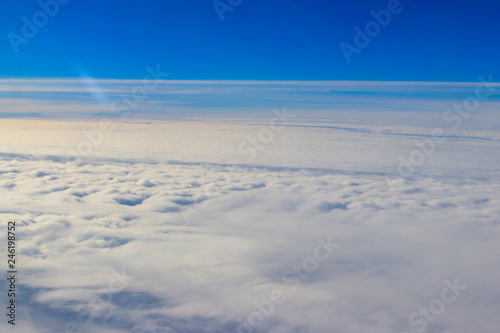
column 257, row 40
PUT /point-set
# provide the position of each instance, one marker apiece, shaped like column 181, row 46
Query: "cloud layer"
column 105, row 246
column 358, row 102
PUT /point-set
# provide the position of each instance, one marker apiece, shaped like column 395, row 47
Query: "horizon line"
column 226, row 81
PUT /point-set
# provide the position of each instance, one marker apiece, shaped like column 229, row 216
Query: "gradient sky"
column 445, row 40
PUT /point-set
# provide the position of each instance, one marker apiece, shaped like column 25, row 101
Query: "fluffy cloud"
column 105, row 245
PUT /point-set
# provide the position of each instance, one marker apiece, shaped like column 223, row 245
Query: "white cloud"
column 122, row 208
